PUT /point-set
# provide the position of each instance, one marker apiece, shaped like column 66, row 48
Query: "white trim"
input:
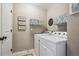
column 22, row 53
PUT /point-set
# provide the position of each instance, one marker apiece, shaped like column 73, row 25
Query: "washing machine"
column 52, row 45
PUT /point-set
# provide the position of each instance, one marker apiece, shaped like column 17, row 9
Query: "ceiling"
column 43, row 5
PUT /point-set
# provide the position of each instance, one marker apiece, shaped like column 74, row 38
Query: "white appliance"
column 5, row 29
column 51, row 44
column 37, row 43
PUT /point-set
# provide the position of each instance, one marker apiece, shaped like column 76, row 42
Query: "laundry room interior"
column 39, row 29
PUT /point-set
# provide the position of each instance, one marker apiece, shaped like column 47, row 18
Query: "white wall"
column 22, row 40
column 73, row 35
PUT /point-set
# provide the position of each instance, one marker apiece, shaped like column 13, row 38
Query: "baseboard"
column 22, row 53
